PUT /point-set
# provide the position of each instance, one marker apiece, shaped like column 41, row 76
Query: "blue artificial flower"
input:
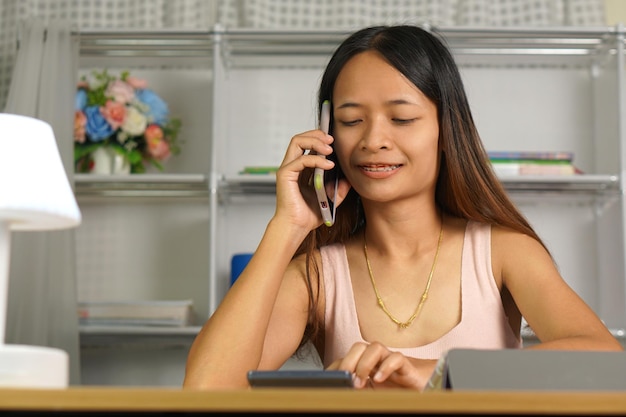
column 80, row 99
column 97, row 128
column 157, row 110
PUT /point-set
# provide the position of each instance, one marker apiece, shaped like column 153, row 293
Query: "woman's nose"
column 376, row 135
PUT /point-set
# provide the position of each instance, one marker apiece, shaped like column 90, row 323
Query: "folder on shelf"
column 142, row 313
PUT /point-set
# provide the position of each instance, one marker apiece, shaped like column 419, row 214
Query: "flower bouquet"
column 123, row 116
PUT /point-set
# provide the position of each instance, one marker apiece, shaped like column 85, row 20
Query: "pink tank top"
column 483, row 324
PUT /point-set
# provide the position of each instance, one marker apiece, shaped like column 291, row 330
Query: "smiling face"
column 386, row 130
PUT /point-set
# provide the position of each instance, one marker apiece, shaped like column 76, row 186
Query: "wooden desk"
column 157, row 401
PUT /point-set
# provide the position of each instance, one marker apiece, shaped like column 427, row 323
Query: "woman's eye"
column 349, row 122
column 404, row 121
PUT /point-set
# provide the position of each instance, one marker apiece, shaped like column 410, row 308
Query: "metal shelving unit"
column 223, row 50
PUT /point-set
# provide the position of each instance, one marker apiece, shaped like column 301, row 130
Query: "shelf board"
column 554, row 46
column 563, row 185
column 162, row 48
column 141, row 185
column 120, row 336
column 592, row 184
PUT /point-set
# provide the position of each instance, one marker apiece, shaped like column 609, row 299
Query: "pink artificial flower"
column 120, row 91
column 154, row 133
column 136, row 83
column 80, row 120
column 157, row 147
column 114, row 113
column 160, row 150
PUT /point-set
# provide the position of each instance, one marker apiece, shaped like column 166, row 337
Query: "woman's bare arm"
column 559, row 317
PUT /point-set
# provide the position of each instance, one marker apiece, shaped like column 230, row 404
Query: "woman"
column 427, row 252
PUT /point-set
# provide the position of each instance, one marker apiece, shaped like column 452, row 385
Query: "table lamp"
column 35, row 195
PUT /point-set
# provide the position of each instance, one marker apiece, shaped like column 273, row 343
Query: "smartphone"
column 326, row 205
column 315, row 378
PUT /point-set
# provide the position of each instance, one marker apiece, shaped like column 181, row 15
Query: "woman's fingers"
column 394, row 362
column 370, row 361
column 308, row 143
column 295, row 201
column 373, row 365
column 360, row 360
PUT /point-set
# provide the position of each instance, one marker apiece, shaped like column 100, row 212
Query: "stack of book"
column 136, row 313
column 258, row 170
column 532, row 163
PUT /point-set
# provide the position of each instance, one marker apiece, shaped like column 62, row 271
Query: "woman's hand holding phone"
column 302, row 199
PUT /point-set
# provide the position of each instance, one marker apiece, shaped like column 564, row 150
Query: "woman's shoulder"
column 506, row 242
column 511, row 250
column 500, row 235
column 506, row 236
column 299, row 262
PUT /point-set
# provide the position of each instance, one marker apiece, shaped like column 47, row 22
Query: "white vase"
column 108, row 162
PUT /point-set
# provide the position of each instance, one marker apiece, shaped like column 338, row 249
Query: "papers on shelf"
column 136, row 313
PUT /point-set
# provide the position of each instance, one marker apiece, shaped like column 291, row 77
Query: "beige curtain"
column 98, row 14
column 42, row 283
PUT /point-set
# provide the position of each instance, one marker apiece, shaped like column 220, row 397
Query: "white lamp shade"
column 35, row 193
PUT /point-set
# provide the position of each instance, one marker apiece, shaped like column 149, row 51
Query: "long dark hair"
column 466, row 186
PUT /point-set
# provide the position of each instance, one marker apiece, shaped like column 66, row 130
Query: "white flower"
column 135, row 122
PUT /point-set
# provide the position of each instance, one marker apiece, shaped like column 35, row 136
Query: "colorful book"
column 512, row 163
column 531, row 156
column 259, row 170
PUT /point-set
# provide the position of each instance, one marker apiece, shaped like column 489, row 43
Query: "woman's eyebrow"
column 348, row 104
column 394, row 102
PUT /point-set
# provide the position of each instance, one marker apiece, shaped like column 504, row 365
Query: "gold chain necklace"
column 381, row 303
